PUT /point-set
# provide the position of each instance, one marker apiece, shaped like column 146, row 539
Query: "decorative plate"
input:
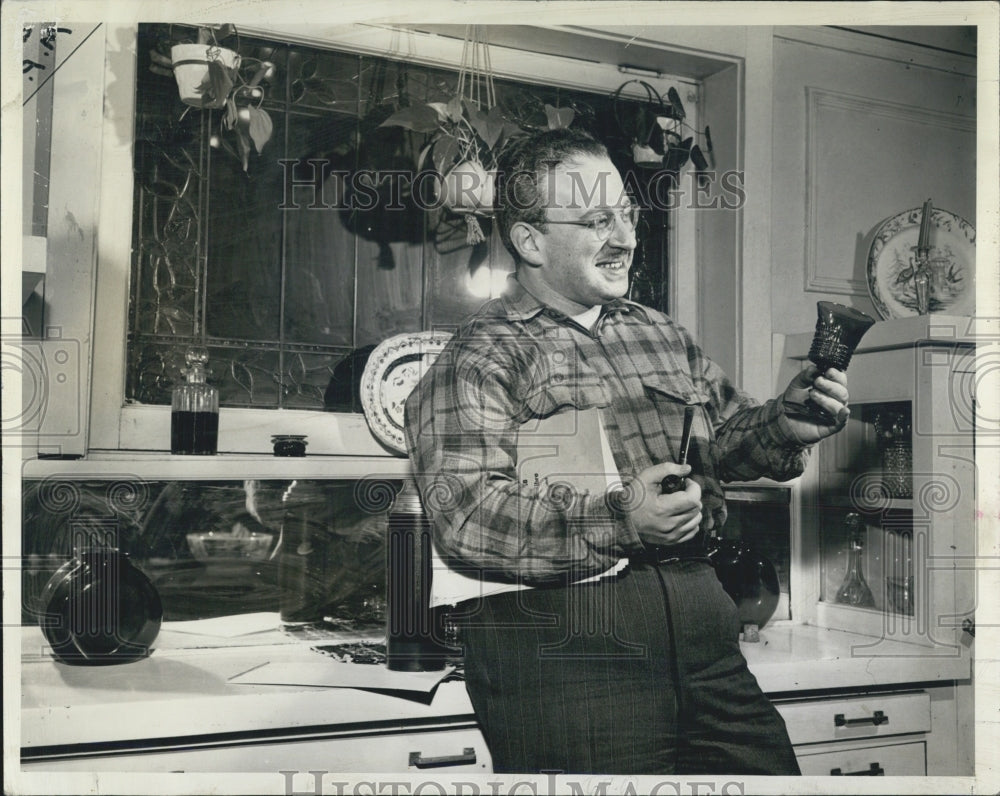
column 891, row 261
column 392, row 371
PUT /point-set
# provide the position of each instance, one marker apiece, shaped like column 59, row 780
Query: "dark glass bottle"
column 100, row 610
column 301, row 562
column 194, row 410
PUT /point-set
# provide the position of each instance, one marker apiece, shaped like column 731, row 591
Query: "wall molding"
column 819, row 100
column 885, row 49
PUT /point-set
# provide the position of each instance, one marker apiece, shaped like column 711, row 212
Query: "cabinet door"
column 889, row 760
column 889, row 510
column 440, row 751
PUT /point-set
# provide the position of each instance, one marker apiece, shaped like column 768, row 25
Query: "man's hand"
column 827, row 391
column 665, row 519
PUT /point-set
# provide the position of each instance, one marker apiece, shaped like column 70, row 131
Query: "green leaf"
column 478, row 120
column 559, row 117
column 229, row 116
column 261, row 128
column 418, row 118
column 220, row 83
column 511, row 130
column 495, row 122
column 441, row 108
column 454, row 108
column 422, row 157
column 445, row 152
column 243, row 142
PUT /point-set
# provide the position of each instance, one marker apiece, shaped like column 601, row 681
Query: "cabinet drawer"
column 890, row 760
column 816, row 721
column 440, row 751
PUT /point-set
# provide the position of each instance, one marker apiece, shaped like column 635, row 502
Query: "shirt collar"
column 520, row 305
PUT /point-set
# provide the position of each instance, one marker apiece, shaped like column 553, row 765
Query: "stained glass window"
column 269, row 268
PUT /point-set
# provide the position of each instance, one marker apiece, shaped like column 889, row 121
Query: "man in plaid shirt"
column 639, row 671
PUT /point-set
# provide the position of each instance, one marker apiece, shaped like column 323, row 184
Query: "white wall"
column 862, row 130
column 836, row 130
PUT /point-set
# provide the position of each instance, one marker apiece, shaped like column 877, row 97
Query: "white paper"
column 333, row 674
column 570, row 446
column 227, row 626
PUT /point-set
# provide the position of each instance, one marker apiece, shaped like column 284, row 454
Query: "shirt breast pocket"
column 678, row 390
column 560, row 395
column 671, row 397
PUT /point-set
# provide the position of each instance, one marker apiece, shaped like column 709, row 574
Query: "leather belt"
column 661, row 554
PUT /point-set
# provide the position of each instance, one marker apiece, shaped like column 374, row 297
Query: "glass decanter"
column 194, row 415
column 854, row 590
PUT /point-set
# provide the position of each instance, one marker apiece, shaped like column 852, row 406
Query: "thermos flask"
column 413, row 634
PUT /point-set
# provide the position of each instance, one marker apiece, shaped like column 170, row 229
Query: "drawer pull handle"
column 874, row 770
column 878, row 717
column 468, row 756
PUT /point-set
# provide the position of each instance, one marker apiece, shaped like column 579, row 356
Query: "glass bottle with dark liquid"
column 194, row 415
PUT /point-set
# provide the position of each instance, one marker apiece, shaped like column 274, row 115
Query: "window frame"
column 119, row 426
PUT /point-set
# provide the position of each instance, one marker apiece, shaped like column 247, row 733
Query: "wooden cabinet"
column 906, row 731
column 872, row 735
column 904, row 469
column 877, row 760
column 903, row 472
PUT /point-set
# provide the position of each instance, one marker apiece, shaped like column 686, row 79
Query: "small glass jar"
column 289, row 444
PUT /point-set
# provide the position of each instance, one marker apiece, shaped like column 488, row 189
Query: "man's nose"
column 623, row 235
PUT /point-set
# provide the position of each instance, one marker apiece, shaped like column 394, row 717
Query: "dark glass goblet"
column 839, row 329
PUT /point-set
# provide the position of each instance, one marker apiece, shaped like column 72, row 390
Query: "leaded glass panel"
column 271, row 268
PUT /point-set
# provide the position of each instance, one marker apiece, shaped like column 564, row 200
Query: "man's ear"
column 525, row 240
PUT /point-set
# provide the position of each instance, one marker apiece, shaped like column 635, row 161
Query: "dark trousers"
column 638, row 675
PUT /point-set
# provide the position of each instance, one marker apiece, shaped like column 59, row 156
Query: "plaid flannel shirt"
column 517, row 360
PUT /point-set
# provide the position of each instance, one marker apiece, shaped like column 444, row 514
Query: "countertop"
column 190, row 676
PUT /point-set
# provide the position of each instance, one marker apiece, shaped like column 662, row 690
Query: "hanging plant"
column 653, row 130
column 245, row 117
column 205, row 73
column 211, row 76
column 466, row 135
column 463, row 145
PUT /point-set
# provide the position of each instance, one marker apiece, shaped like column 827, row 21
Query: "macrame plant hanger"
column 475, row 76
column 475, row 87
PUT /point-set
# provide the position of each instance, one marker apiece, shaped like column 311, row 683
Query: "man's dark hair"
column 521, row 170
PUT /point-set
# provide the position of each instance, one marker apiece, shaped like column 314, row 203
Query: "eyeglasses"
column 603, row 224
